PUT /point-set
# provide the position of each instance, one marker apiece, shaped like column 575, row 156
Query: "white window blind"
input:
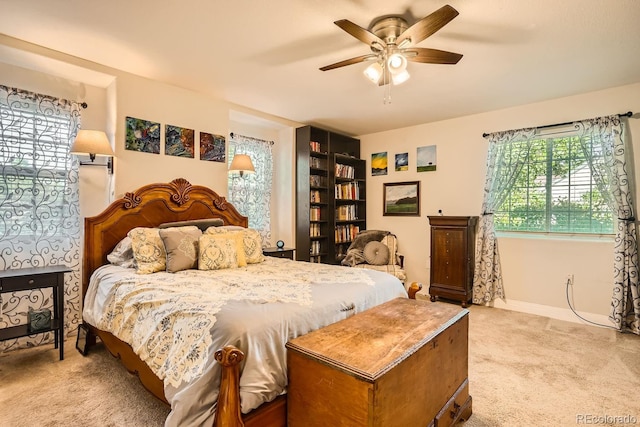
column 555, row 192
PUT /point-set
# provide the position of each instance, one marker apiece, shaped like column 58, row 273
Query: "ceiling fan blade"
column 350, row 61
column 431, row 56
column 428, row 25
column 360, row 33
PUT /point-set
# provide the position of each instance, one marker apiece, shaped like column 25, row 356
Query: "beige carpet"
column 524, row 370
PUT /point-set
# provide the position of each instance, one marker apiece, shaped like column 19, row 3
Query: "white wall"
column 534, row 269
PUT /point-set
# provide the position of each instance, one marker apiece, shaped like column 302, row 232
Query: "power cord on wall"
column 576, row 313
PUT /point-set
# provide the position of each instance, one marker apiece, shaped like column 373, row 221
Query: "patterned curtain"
column 603, row 143
column 251, row 193
column 508, row 153
column 39, row 206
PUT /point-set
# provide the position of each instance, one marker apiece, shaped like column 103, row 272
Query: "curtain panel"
column 39, row 205
column 508, row 154
column 604, row 145
column 251, row 193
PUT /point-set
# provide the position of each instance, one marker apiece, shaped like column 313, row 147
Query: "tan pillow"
column 220, row 251
column 148, row 250
column 251, row 239
column 376, row 253
column 181, row 246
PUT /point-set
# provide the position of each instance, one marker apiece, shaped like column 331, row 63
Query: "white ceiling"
column 265, row 54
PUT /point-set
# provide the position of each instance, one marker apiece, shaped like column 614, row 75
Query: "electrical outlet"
column 569, row 279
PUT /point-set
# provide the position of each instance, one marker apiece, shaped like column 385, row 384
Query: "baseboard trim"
column 553, row 312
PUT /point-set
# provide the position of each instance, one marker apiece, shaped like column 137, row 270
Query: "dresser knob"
column 31, row 281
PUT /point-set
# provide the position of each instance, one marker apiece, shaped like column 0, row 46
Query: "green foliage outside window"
column 555, row 191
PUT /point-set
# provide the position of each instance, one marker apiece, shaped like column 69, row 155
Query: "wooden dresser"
column 403, row 363
column 452, row 257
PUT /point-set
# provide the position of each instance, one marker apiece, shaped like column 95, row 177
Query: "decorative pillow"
column 181, row 246
column 202, row 224
column 251, row 239
column 148, row 250
column 391, row 242
column 220, row 251
column 376, row 253
column 122, row 254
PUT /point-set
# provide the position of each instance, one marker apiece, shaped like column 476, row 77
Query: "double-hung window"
column 555, row 191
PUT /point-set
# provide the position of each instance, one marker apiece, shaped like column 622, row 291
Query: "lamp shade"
column 241, row 164
column 92, row 142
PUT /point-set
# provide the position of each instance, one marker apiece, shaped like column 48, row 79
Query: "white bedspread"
column 175, row 322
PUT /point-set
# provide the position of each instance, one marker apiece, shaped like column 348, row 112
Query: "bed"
column 255, row 309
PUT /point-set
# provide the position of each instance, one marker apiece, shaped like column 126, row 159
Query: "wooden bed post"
column 413, row 289
column 228, row 409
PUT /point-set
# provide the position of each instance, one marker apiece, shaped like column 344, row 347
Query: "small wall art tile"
column 426, row 161
column 178, row 141
column 142, row 135
column 379, row 164
column 402, row 162
column 212, row 147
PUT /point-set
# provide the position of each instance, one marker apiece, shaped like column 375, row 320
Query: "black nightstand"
column 279, row 253
column 25, row 279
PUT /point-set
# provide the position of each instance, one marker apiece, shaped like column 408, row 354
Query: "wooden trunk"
column 403, row 363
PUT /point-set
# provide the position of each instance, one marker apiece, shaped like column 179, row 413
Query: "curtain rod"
column 250, row 137
column 627, row 114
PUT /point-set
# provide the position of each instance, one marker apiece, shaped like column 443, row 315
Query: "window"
column 555, row 191
column 251, row 193
column 34, row 170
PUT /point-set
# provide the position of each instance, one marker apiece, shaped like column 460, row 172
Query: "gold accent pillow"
column 218, row 251
column 251, row 239
column 181, row 246
column 148, row 250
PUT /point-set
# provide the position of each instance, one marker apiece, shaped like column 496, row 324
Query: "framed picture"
column 81, row 342
column 178, row 141
column 142, row 135
column 401, row 198
column 379, row 164
column 402, row 162
column 426, row 158
column 212, row 147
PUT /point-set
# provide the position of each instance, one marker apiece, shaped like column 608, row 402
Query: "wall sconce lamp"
column 93, row 143
column 241, row 164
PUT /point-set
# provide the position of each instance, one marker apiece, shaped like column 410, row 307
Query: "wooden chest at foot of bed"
column 403, row 363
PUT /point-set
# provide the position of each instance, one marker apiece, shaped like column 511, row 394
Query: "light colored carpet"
column 524, row 370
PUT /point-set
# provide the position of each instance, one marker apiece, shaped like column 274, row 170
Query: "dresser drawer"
column 22, row 283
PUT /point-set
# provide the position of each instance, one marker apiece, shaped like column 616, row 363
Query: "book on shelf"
column 347, row 191
column 346, row 233
column 314, row 146
column 347, row 213
column 345, row 171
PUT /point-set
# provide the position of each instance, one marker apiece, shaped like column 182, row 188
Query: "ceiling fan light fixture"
column 400, row 78
column 374, row 72
column 397, row 63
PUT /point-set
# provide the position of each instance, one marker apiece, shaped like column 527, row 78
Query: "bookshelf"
column 330, row 194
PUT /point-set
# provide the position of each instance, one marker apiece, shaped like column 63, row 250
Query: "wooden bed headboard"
column 150, row 206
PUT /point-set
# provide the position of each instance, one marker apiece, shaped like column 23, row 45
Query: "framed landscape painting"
column 401, row 198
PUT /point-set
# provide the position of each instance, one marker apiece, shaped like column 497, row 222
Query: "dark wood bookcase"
column 330, row 194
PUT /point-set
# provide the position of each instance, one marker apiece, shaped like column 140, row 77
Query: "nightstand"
column 279, row 252
column 25, row 279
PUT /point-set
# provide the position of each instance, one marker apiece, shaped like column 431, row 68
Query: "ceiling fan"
column 392, row 43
